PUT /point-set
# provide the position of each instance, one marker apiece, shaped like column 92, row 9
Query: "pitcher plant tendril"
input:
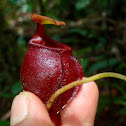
column 82, row 81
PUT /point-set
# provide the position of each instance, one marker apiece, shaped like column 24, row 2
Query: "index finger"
column 82, row 109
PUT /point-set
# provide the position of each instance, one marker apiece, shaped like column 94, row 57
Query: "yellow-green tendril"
column 82, row 81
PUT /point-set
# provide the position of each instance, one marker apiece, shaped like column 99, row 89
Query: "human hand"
column 28, row 110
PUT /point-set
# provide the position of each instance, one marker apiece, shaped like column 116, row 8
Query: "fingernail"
column 19, row 109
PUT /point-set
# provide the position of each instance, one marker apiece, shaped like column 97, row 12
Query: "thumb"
column 28, row 110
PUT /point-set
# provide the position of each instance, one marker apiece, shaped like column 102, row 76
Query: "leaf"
column 45, row 20
column 120, row 89
column 78, row 31
column 101, row 43
column 123, row 111
column 56, row 37
column 102, row 64
column 84, row 63
column 120, row 101
column 21, row 41
column 81, row 4
column 122, row 66
column 16, row 88
column 103, row 103
column 84, row 50
column 6, row 95
column 4, row 123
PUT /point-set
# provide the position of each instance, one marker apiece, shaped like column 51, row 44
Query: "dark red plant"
column 49, row 65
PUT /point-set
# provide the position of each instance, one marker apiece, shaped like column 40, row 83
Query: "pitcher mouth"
column 49, row 43
column 41, row 39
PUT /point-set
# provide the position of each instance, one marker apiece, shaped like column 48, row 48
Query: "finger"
column 28, row 110
column 82, row 109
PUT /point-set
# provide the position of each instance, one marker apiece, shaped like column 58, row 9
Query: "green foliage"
column 123, row 111
column 84, row 63
column 99, row 65
column 21, row 6
column 4, row 123
column 16, row 88
column 78, row 31
column 104, row 102
column 82, row 4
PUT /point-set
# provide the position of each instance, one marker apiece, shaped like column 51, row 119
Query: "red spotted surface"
column 47, row 66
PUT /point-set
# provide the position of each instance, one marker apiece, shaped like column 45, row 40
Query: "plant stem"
column 82, row 81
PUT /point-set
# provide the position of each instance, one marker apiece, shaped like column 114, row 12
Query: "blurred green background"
column 96, row 30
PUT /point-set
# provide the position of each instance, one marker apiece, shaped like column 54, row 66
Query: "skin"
column 79, row 112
